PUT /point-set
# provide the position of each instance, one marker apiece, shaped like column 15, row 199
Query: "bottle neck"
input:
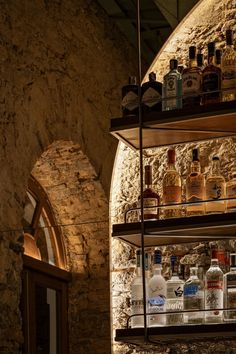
column 194, row 273
column 195, row 167
column 211, row 59
column 171, row 165
column 233, row 268
column 192, row 62
column 157, row 268
column 215, row 263
column 215, row 170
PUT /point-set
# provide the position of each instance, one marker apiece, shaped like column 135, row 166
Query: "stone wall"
column 62, row 66
column 207, row 22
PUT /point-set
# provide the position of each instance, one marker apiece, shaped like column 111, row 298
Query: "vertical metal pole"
column 138, row 24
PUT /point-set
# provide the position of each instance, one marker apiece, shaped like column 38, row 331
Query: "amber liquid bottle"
column 150, row 198
column 211, row 78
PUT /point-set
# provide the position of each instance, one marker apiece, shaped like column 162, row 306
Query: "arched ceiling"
column 158, row 20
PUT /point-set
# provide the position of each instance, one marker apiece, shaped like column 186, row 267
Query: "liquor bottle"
column 230, row 290
column 231, row 191
column 194, row 297
column 195, row 187
column 215, row 189
column 211, row 78
column 229, row 69
column 174, row 298
column 130, row 100
column 137, row 290
column 150, row 198
column 172, row 188
column 157, row 294
column 222, row 255
column 151, row 94
column 172, row 88
column 214, row 293
column 192, row 81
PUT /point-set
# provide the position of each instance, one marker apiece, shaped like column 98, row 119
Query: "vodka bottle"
column 230, row 290
column 174, row 298
column 172, row 88
column 137, row 291
column 157, row 294
column 214, row 292
column 215, row 189
column 194, row 297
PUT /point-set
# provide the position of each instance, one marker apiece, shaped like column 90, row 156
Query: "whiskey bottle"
column 137, row 291
column 215, row 189
column 130, row 101
column 151, row 94
column 172, row 88
column 231, row 191
column 211, row 78
column 174, row 298
column 194, row 297
column 229, row 69
column 157, row 294
column 214, row 293
column 195, row 187
column 192, row 81
column 230, row 290
column 151, row 199
column 172, row 188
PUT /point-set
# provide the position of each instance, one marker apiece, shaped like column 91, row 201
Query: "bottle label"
column 195, row 190
column 214, row 295
column 191, row 83
column 151, row 203
column 171, row 91
column 175, row 291
column 130, row 101
column 172, row 194
column 215, row 190
column 228, row 76
column 151, row 97
column 231, row 192
column 211, row 82
column 191, row 290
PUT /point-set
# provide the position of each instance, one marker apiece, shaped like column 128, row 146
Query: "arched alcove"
column 206, row 22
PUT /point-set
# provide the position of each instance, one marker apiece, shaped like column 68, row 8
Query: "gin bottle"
column 157, row 294
column 229, row 69
column 172, row 88
column 231, row 191
column 152, row 94
column 215, row 189
column 230, row 291
column 174, row 298
column 130, row 101
column 172, row 188
column 137, row 291
column 195, row 187
column 194, row 297
column 214, row 293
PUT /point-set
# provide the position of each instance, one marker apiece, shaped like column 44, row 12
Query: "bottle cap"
column 152, row 76
column 180, row 68
column 232, row 259
column 173, row 64
column 148, row 175
column 192, row 52
column 215, row 158
column 195, row 155
column 218, row 56
column 211, row 48
column 229, row 37
column 199, row 59
column 171, row 156
column 132, row 80
column 157, row 257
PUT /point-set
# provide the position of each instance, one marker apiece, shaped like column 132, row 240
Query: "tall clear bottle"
column 230, row 291
column 172, row 88
column 228, row 66
column 195, row 187
column 157, row 294
column 172, row 188
column 215, row 189
column 214, row 293
column 137, row 290
column 174, row 298
column 194, row 298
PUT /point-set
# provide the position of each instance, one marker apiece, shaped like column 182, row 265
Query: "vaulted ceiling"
column 158, row 19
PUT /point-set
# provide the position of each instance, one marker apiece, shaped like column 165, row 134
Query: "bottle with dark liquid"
column 130, row 101
column 211, row 78
column 151, row 94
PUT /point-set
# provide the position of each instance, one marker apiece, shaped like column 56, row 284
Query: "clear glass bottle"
column 157, row 294
column 152, row 95
column 137, row 290
column 211, row 78
column 150, row 198
column 214, row 293
column 231, row 191
column 215, row 189
column 230, row 290
column 195, row 187
column 174, row 298
column 194, row 298
column 228, row 66
column 192, row 81
column 172, row 188
column 172, row 88
column 130, row 100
